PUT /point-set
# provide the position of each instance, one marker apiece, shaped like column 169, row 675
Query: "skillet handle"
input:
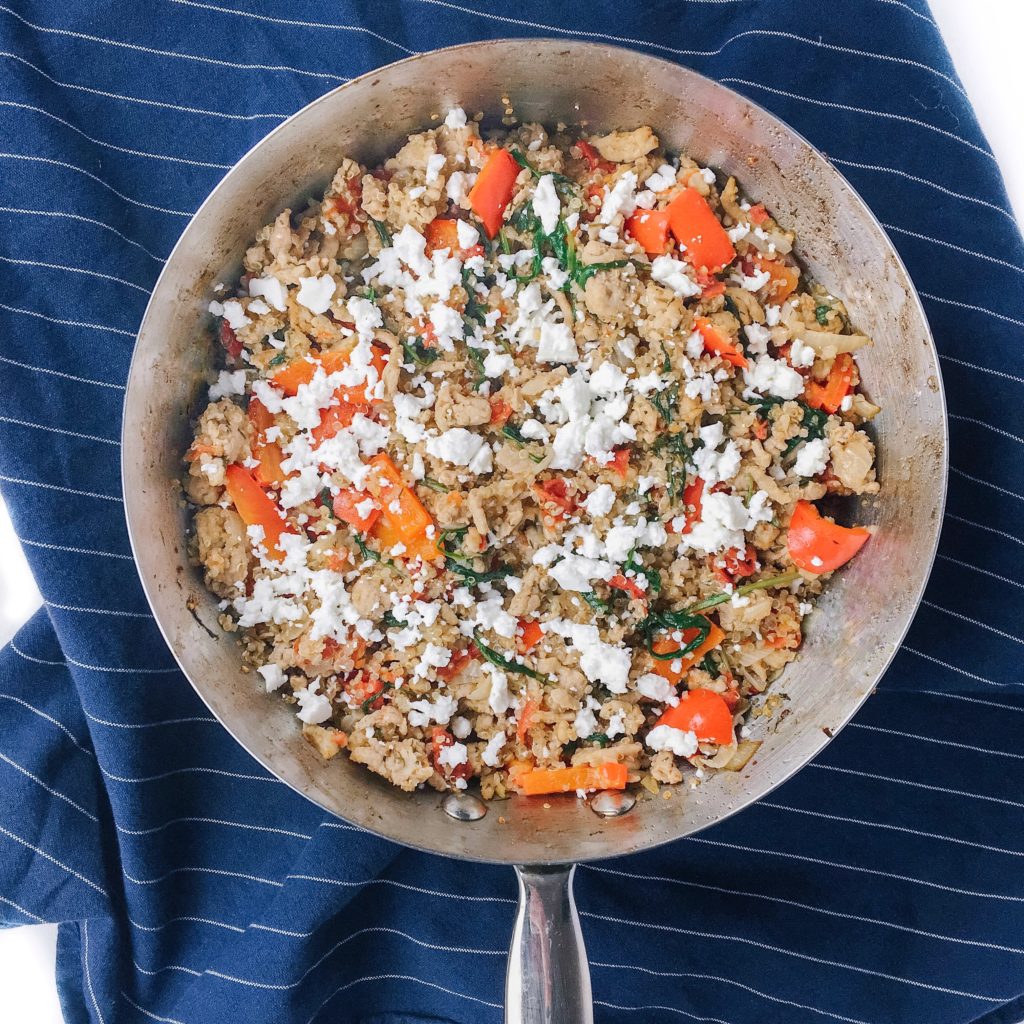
column 548, row 980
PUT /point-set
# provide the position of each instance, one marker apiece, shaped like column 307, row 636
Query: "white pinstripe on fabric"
column 979, row 526
column 646, row 1007
column 376, row 930
column 140, row 100
column 930, row 787
column 945, row 743
column 974, row 700
column 201, row 719
column 295, row 23
column 21, row 910
column 116, row 612
column 212, row 61
column 59, row 430
column 743, row 940
column 400, row 885
column 988, row 426
column 49, row 789
column 909, row 10
column 859, row 869
column 75, row 270
column 84, row 220
column 400, row 977
column 147, row 1013
column 212, row 821
column 187, row 920
column 220, row 872
column 924, row 181
column 974, row 309
column 73, row 550
column 952, row 668
column 956, row 248
column 223, row 772
column 66, row 323
column 973, row 622
column 204, row 164
column 166, row 967
column 58, row 487
column 810, row 908
column 986, row 483
column 698, row 976
column 53, row 860
column 903, row 118
column 88, row 972
column 49, row 718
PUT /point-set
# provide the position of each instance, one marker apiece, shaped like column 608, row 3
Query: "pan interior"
column 866, row 609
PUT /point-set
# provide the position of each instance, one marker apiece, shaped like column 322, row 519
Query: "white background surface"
column 984, row 38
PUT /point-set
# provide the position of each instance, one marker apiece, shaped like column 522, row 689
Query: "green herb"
column 665, row 402
column 388, row 620
column 596, row 603
column 435, row 485
column 672, row 621
column 450, row 542
column 508, row 665
column 709, row 666
column 583, row 274
column 474, row 576
column 506, row 248
column 783, row 580
column 677, row 451
column 368, row 703
column 416, row 351
column 515, row 435
column 666, row 363
column 327, row 500
column 731, row 307
column 559, row 179
column 652, row 576
column 366, row 551
column 599, row 738
column 477, row 356
column 821, row 314
column 474, row 310
column 814, row 422
column 371, row 294
column 382, row 232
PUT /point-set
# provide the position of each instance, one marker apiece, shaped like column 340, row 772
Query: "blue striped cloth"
column 883, row 884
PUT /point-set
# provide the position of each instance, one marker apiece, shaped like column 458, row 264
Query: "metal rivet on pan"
column 611, row 803
column 463, row 807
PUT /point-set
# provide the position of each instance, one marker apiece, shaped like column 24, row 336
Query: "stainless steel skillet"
column 864, row 613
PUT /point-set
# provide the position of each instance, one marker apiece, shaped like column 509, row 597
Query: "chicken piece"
column 625, row 147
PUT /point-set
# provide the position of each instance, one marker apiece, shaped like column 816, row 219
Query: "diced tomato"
column 650, row 230
column 819, row 545
column 758, row 214
column 500, row 412
column 699, row 232
column 335, row 418
column 829, row 396
column 269, row 472
column 229, row 340
column 540, row 782
column 526, row 713
column 528, row 635
column 459, row 660
column 716, row 342
column 784, row 278
column 365, row 690
column 734, row 564
column 256, row 508
column 494, row 188
column 629, row 585
column 675, row 669
column 693, row 494
column 557, row 499
column 301, row 371
column 704, row 713
column 620, row 461
column 594, row 159
column 443, row 233
column 440, row 738
column 760, row 429
column 347, row 504
column 403, row 518
column 710, row 286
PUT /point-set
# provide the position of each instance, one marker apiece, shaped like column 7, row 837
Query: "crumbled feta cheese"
column 460, row 727
column 546, row 204
column 315, row 293
column 758, row 337
column 846, row 404
column 453, row 755
column 664, row 737
column 768, row 376
column 616, row 725
column 499, row 700
column 490, row 753
column 600, row 662
column 663, row 178
column 233, row 312
column 600, row 501
column 456, row 118
column 467, row 234
column 273, row 676
column 724, row 518
column 586, row 722
column 533, row 430
column 619, row 199
column 657, row 688
column 270, row 289
column 811, row 458
column 461, row 447
column 801, row 354
column 423, row 712
column 673, row 274
column 557, row 344
column 314, row 707
column 227, row 384
column 575, row 572
column 457, row 187
column 435, row 164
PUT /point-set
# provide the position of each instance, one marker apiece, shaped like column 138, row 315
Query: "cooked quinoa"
column 508, row 479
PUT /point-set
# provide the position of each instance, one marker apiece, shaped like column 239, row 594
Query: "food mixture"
column 510, row 478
